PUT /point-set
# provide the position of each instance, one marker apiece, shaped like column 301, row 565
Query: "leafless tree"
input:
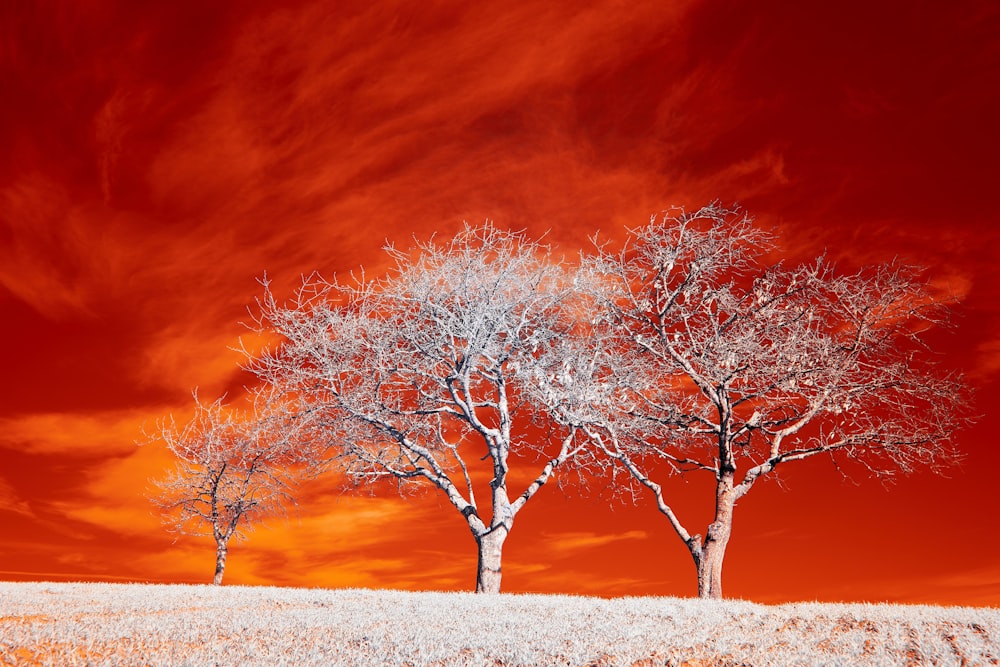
column 420, row 377
column 707, row 360
column 235, row 468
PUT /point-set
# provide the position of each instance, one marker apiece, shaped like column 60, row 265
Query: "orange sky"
column 158, row 157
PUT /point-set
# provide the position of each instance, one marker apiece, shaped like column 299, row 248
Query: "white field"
column 133, row 624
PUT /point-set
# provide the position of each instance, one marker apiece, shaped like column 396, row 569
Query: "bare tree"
column 708, row 361
column 235, row 468
column 420, row 377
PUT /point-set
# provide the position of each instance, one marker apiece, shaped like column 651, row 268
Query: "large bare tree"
column 709, row 360
column 419, row 377
column 234, row 469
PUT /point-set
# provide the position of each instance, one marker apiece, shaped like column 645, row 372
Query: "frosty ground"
column 132, row 624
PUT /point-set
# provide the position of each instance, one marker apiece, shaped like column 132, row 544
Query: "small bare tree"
column 708, row 361
column 235, row 468
column 419, row 377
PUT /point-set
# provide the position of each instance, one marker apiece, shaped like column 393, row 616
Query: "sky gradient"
column 157, row 158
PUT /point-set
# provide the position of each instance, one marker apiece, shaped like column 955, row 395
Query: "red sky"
column 158, row 157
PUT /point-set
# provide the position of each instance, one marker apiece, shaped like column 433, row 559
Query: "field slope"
column 132, row 624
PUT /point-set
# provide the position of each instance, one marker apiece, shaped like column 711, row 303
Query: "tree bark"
column 709, row 555
column 490, row 554
column 710, row 569
column 220, row 562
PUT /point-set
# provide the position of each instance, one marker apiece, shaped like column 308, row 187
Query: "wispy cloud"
column 573, row 544
column 11, row 501
column 111, row 433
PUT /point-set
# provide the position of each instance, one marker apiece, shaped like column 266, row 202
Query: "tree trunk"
column 708, row 556
column 710, row 570
column 490, row 554
column 220, row 561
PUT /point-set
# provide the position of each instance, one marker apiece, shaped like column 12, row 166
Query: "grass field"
column 133, row 624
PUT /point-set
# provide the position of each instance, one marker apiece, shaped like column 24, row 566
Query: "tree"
column 706, row 360
column 420, row 376
column 235, row 468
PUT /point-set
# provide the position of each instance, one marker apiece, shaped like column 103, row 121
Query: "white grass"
column 132, row 624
